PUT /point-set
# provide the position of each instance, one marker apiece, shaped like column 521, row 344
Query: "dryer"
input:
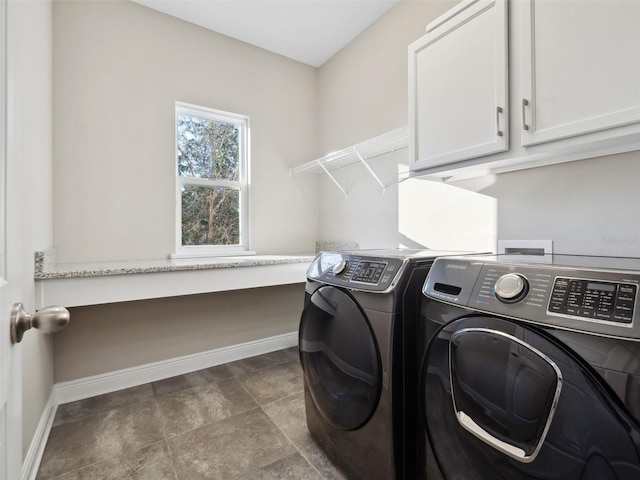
column 530, row 369
column 357, row 342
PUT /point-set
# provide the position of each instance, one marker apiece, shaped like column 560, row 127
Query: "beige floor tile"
column 99, row 437
column 289, row 415
column 293, row 467
column 149, row 463
column 228, row 449
column 199, row 406
column 190, row 380
column 73, row 411
column 274, row 382
column 258, row 362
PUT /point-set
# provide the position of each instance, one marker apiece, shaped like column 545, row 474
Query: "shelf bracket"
column 333, row 178
column 359, row 153
column 364, row 162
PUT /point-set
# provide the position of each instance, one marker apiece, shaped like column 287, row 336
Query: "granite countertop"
column 46, row 266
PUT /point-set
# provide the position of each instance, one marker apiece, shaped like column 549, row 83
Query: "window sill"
column 236, row 253
column 72, row 285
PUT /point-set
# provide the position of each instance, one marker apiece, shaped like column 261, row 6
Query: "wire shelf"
column 360, row 152
column 373, row 147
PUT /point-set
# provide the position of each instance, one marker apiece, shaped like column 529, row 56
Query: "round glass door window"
column 340, row 358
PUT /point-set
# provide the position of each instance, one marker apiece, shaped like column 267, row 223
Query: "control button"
column 587, row 313
column 628, row 289
column 554, row 307
column 622, row 318
column 340, row 267
column 511, row 288
column 624, row 308
column 602, row 316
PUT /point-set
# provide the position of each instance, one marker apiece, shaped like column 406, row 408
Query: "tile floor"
column 239, row 421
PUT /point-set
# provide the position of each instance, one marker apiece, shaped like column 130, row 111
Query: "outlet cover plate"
column 526, row 247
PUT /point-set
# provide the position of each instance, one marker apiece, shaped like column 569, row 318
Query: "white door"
column 580, row 68
column 11, row 270
column 10, row 388
column 458, row 86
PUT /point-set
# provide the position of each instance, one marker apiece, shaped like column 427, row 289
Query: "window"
column 211, row 181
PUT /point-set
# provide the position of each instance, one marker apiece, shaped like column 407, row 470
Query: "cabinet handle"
column 525, row 102
column 498, row 112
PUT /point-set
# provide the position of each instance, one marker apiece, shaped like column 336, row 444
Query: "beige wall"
column 587, row 207
column 110, row 337
column 118, row 70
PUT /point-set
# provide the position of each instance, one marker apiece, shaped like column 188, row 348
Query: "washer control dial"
column 511, row 288
column 340, row 267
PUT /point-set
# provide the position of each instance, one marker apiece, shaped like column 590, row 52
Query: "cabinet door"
column 580, row 67
column 458, row 86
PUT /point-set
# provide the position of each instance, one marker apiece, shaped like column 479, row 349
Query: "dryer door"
column 340, row 358
column 504, row 401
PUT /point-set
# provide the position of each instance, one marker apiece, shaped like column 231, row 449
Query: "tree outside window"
column 211, row 180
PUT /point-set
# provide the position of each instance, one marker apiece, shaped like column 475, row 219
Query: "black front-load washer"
column 358, row 321
column 530, row 369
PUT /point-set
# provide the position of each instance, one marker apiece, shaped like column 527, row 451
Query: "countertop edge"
column 46, row 267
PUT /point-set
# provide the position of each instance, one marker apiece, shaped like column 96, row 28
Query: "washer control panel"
column 595, row 300
column 358, row 272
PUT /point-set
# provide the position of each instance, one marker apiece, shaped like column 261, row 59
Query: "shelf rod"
column 333, row 178
column 364, row 162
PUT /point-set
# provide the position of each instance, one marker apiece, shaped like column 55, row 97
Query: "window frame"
column 242, row 185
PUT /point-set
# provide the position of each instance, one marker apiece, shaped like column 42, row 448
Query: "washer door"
column 340, row 358
column 504, row 401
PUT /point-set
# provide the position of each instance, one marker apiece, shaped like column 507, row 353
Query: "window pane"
column 207, row 148
column 210, row 216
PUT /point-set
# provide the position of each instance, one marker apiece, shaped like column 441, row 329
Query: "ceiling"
column 309, row 31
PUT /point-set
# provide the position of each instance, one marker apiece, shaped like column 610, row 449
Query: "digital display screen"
column 368, row 272
column 606, row 287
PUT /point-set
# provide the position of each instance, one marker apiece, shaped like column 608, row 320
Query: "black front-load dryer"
column 530, row 369
column 358, row 322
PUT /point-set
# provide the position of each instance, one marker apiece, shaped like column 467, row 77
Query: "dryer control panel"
column 591, row 294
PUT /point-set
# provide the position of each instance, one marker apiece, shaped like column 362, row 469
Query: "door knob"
column 47, row 320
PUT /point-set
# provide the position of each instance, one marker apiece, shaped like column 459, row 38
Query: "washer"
column 359, row 319
column 530, row 369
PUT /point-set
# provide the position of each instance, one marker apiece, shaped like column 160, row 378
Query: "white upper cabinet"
column 571, row 77
column 458, row 86
column 580, row 64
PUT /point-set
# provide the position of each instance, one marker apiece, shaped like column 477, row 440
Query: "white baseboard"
column 87, row 387
column 32, row 459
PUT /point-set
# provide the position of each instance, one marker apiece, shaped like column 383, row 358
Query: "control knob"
column 511, row 288
column 340, row 267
